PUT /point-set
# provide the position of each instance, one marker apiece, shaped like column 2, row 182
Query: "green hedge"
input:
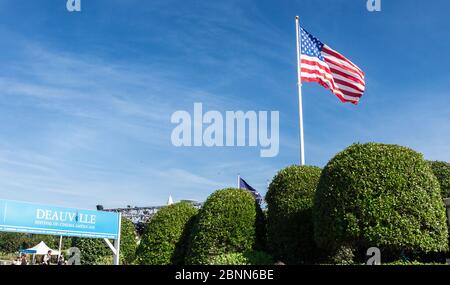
column 289, row 217
column 379, row 195
column 414, row 263
column 242, row 258
column 91, row 250
column 165, row 236
column 441, row 170
column 230, row 221
column 103, row 260
column 128, row 243
column 97, row 252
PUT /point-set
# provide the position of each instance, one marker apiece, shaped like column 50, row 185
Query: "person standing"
column 24, row 260
column 61, row 260
column 47, row 258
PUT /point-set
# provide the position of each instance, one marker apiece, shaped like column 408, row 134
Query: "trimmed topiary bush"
column 441, row 170
column 379, row 195
column 128, row 243
column 289, row 217
column 166, row 235
column 245, row 258
column 228, row 222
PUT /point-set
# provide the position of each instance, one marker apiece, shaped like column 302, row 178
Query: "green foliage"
column 414, row 262
column 379, row 195
column 245, row 258
column 103, row 260
column 91, row 250
column 441, row 170
column 128, row 242
column 12, row 242
column 165, row 237
column 230, row 221
column 344, row 255
column 289, row 222
column 49, row 240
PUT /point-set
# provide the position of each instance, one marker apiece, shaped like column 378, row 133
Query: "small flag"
column 321, row 64
column 244, row 185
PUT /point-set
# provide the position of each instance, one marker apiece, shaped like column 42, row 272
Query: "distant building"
column 141, row 215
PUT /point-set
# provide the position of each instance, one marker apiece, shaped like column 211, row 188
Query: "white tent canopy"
column 42, row 249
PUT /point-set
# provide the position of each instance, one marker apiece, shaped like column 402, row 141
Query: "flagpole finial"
column 296, row 17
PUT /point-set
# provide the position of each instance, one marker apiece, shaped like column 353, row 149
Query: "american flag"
column 321, row 64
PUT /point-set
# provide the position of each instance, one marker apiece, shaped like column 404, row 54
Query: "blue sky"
column 86, row 98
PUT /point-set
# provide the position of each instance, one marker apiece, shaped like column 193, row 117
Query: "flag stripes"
column 321, row 64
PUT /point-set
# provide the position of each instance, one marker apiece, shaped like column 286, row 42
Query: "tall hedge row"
column 379, row 195
column 229, row 222
column 441, row 170
column 289, row 217
column 165, row 236
column 128, row 242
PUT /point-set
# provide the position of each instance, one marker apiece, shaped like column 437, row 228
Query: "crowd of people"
column 46, row 260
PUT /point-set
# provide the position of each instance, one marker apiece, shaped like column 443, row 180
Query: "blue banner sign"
column 32, row 218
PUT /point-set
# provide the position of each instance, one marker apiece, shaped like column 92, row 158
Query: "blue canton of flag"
column 311, row 46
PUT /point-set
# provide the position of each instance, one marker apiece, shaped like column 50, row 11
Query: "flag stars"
column 311, row 46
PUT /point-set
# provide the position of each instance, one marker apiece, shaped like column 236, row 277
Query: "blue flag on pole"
column 244, row 185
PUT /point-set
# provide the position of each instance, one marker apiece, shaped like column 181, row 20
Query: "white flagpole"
column 239, row 181
column 59, row 248
column 299, row 85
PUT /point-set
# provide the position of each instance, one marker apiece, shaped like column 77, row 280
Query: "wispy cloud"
column 123, row 102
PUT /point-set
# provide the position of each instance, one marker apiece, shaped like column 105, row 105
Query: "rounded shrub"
column 230, row 221
column 441, row 170
column 379, row 195
column 165, row 237
column 242, row 258
column 289, row 216
column 128, row 243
